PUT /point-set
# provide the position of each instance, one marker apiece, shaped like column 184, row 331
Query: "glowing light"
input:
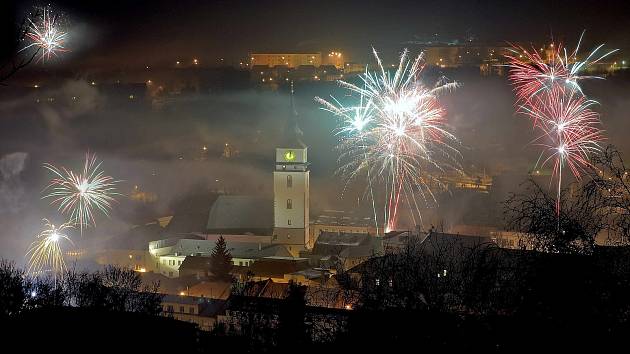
column 396, row 135
column 45, row 34
column 80, row 194
column 45, row 252
column 534, row 74
column 548, row 92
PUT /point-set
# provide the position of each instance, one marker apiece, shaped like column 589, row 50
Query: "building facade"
column 290, row 60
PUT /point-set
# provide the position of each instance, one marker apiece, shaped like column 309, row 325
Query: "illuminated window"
column 289, row 181
column 289, row 204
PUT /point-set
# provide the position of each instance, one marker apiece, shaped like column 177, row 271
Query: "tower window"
column 289, row 204
column 289, row 181
column 289, row 222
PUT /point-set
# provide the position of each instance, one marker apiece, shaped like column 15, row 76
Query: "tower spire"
column 293, row 133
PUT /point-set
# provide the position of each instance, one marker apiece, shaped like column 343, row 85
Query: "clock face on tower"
column 289, row 155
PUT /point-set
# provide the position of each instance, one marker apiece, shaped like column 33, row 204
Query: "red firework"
column 547, row 91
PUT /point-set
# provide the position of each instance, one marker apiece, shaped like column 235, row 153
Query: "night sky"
column 134, row 33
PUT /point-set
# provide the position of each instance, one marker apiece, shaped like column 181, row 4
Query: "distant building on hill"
column 291, row 60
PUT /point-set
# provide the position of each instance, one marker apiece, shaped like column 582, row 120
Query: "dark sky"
column 155, row 31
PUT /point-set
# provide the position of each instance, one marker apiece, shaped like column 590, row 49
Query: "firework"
column 533, row 71
column 45, row 252
column 569, row 130
column 79, row 195
column 44, row 33
column 396, row 134
column 548, row 92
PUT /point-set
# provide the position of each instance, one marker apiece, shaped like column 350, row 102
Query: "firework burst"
column 44, row 33
column 45, row 253
column 79, row 195
column 396, row 134
column 533, row 72
column 549, row 93
column 569, row 130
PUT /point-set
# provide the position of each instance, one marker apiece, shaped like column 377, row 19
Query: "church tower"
column 291, row 189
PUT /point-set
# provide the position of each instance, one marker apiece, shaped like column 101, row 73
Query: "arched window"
column 289, row 181
column 289, row 204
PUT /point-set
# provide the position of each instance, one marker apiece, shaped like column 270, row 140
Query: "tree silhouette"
column 12, row 289
column 11, row 60
column 221, row 260
column 609, row 184
column 533, row 214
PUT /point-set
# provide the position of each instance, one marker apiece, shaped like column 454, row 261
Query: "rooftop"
column 242, row 213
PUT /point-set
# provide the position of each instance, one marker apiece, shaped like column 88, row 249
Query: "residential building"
column 198, row 310
column 341, row 222
column 333, row 250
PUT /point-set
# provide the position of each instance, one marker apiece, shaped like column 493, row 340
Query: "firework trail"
column 549, row 93
column 396, row 134
column 79, row 195
column 45, row 252
column 45, row 34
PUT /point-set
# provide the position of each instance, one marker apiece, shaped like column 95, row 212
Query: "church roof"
column 137, row 237
column 242, row 213
column 190, row 213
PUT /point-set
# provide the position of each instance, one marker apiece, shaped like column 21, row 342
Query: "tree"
column 599, row 202
column 221, row 260
column 11, row 61
column 572, row 228
column 12, row 289
column 292, row 331
column 113, row 289
column 609, row 184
